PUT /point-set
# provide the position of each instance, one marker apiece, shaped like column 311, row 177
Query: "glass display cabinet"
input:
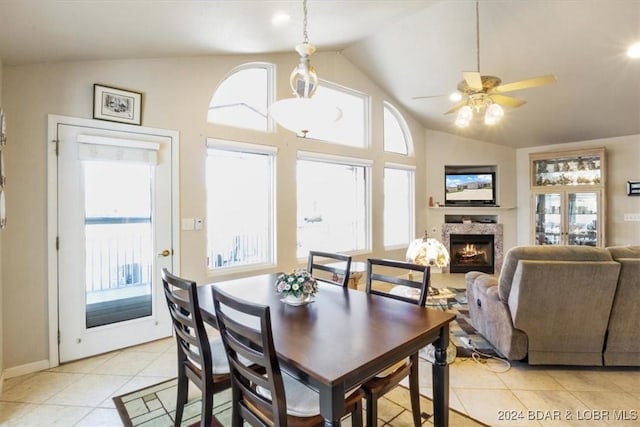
column 568, row 197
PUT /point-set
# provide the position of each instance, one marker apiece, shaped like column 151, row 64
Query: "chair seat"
column 391, row 369
column 301, row 400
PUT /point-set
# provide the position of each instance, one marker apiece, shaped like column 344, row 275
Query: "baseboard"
column 29, row 368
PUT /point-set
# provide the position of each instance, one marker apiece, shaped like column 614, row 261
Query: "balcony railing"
column 118, row 252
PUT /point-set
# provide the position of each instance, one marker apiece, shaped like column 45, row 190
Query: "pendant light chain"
column 304, row 22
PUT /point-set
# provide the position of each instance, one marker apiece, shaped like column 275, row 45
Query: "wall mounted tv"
column 470, row 189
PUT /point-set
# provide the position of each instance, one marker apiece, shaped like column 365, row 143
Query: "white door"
column 114, row 237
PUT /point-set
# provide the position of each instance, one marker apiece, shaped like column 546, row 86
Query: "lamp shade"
column 428, row 251
column 302, row 115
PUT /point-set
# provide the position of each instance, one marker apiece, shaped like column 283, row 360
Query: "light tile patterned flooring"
column 79, row 393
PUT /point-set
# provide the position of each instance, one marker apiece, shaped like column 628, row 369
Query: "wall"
column 176, row 92
column 448, row 149
column 1, row 276
column 622, row 157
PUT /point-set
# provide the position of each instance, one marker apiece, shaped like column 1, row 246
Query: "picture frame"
column 117, row 105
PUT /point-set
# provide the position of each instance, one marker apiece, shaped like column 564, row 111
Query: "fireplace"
column 471, row 252
column 475, row 225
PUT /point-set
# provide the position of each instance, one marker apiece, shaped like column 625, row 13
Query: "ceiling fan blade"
column 473, row 79
column 525, row 84
column 507, row 101
column 458, row 106
column 427, row 96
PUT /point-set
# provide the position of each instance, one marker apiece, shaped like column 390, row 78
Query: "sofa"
column 561, row 305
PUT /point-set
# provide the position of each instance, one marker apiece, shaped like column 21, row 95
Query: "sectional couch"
column 561, row 305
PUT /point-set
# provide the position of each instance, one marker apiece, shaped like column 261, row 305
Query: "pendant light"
column 303, row 113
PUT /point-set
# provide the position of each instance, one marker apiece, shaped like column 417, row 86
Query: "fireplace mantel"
column 476, row 228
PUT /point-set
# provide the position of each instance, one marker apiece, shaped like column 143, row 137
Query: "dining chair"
column 200, row 359
column 266, row 395
column 384, row 278
column 336, row 272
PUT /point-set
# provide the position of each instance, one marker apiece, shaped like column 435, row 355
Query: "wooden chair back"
column 255, row 344
column 336, row 274
column 193, row 349
column 383, row 275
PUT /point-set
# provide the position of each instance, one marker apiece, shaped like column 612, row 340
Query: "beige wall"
column 623, row 158
column 176, row 92
column 447, row 149
column 1, row 281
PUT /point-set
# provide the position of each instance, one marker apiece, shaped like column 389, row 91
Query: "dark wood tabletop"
column 344, row 338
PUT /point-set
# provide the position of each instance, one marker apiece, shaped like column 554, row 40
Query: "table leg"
column 332, row 404
column 440, row 374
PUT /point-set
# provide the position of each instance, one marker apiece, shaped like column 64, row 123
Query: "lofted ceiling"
column 411, row 48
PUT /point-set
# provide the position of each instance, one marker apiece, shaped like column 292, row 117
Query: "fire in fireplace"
column 471, row 252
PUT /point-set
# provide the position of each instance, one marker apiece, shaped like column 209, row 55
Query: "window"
column 240, row 204
column 397, row 137
column 333, row 204
column 352, row 128
column 399, row 196
column 242, row 98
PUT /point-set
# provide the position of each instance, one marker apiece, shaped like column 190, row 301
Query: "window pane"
column 351, row 128
column 239, row 208
column 241, row 100
column 398, row 206
column 332, row 207
column 118, row 241
column 394, row 135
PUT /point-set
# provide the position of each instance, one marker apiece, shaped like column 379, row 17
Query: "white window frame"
column 412, row 203
column 404, row 128
column 244, row 147
column 350, row 161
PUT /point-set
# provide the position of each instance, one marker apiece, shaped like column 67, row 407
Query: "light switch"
column 198, row 223
column 187, row 224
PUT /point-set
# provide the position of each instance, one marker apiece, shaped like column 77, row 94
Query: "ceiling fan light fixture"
column 465, row 114
column 634, row 50
column 455, row 96
column 493, row 114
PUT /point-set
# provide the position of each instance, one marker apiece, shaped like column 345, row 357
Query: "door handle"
column 166, row 252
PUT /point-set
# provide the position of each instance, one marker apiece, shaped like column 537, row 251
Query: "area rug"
column 154, row 406
column 465, row 337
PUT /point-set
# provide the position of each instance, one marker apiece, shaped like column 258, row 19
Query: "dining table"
column 344, row 337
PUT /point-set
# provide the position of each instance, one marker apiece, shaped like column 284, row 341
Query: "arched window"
column 397, row 138
column 242, row 98
column 353, row 127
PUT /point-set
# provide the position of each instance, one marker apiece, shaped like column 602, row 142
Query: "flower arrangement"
column 298, row 283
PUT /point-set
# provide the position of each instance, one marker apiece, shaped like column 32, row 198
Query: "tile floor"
column 79, row 393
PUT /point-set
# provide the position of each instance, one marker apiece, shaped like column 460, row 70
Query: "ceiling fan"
column 477, row 92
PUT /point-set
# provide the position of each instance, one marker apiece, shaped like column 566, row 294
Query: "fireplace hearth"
column 471, row 252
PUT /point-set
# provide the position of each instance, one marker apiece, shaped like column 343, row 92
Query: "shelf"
column 482, row 208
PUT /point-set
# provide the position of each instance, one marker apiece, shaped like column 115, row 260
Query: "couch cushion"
column 542, row 253
column 619, row 252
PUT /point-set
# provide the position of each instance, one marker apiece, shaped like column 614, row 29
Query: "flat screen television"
column 470, row 189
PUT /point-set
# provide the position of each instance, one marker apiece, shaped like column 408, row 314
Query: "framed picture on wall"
column 117, row 105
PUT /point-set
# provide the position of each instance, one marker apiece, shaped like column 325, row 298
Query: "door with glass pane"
column 115, row 234
column 567, row 218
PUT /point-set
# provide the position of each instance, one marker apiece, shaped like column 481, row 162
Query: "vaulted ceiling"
column 411, row 48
